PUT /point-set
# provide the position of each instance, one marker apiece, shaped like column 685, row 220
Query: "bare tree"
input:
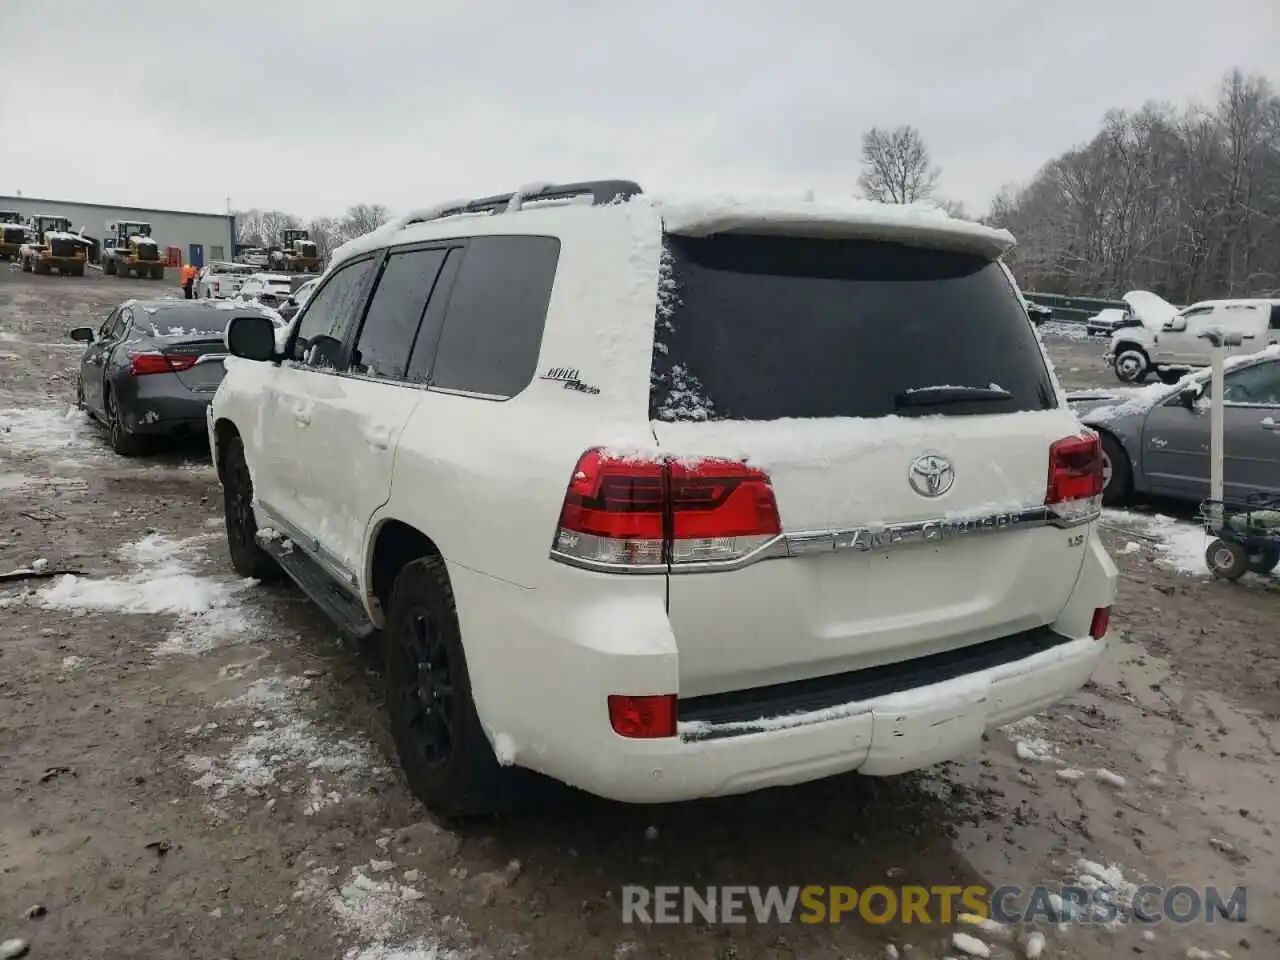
column 261, row 228
column 895, row 166
column 1185, row 203
column 362, row 218
column 326, row 233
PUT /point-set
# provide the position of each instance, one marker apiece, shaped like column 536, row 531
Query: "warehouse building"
column 183, row 237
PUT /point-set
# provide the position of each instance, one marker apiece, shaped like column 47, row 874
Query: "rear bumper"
column 161, row 409
column 545, row 699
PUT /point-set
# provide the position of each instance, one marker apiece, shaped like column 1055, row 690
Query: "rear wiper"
column 941, row 396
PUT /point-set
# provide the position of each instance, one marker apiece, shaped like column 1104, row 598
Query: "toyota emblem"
column 931, row 475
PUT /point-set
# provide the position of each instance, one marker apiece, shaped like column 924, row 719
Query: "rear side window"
column 760, row 328
column 492, row 331
column 395, row 313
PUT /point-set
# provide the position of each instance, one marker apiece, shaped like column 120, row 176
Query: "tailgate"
column 899, row 403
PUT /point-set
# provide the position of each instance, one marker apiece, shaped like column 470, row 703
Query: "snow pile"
column 377, row 912
column 1179, row 545
column 278, row 749
column 1029, row 743
column 161, row 582
column 1106, row 884
column 44, row 430
column 1063, row 331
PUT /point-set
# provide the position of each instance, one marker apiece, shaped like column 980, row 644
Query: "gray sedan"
column 1155, row 440
column 152, row 367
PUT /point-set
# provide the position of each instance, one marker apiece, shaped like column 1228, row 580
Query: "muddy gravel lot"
column 194, row 766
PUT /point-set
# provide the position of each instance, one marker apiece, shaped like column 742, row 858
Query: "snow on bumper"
column 880, row 737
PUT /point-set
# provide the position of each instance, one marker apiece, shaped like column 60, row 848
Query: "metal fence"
column 1073, row 309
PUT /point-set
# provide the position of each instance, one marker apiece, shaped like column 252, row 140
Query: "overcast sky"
column 312, row 106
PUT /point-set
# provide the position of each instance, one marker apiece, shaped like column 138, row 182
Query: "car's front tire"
column 445, row 754
column 1131, row 364
column 247, row 556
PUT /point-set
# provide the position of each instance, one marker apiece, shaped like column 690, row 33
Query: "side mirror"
column 1188, row 396
column 82, row 334
column 1176, row 325
column 252, row 338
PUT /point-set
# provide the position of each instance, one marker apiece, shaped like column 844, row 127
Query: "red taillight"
column 643, row 718
column 640, row 513
column 1075, row 477
column 141, row 364
column 1101, row 622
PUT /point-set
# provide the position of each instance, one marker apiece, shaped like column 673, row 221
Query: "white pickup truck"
column 220, row 280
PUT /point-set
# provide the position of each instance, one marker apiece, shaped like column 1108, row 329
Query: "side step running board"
column 330, row 596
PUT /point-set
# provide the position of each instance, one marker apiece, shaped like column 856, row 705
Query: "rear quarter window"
column 492, row 332
column 754, row 327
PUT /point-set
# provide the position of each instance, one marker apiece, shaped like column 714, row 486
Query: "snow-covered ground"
column 1179, row 545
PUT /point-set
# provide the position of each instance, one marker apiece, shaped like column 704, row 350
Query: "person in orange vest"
column 188, row 280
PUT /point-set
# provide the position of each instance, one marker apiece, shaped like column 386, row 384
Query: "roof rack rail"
column 600, row 191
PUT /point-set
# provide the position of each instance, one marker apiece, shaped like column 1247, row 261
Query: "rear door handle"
column 302, row 414
column 378, row 437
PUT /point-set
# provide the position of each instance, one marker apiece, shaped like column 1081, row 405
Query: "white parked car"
column 295, row 301
column 219, row 279
column 1180, row 346
column 673, row 499
column 269, row 289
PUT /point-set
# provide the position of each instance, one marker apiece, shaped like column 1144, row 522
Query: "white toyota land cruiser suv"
column 672, row 499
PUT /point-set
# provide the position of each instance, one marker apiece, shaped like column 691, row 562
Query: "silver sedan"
column 1155, row 440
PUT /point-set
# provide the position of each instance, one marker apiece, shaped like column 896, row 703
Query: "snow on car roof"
column 701, row 215
column 270, row 277
column 927, row 224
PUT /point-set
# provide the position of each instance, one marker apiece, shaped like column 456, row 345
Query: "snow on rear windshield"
column 754, row 327
column 188, row 323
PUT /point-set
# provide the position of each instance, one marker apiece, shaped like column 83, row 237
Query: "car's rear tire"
column 247, row 556
column 1265, row 560
column 1117, row 472
column 445, row 754
column 123, row 442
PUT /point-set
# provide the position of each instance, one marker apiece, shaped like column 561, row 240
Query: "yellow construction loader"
column 297, row 253
column 53, row 247
column 129, row 250
column 13, row 234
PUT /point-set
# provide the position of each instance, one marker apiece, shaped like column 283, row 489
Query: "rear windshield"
column 760, row 328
